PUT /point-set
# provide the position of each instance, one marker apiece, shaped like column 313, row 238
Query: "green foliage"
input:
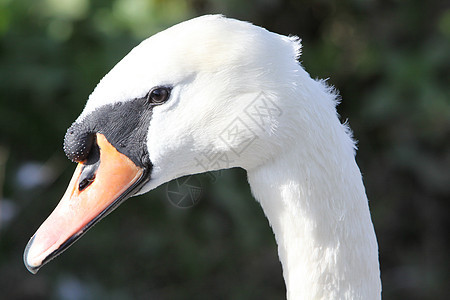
column 389, row 59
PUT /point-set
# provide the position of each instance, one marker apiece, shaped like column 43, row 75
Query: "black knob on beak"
column 78, row 142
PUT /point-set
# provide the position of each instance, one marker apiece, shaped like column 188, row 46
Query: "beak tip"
column 33, row 270
column 30, row 267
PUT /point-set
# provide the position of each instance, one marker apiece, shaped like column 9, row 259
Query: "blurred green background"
column 389, row 59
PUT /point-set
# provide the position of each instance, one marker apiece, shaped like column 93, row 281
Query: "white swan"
column 236, row 92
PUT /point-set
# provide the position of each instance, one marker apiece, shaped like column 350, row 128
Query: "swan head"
column 200, row 96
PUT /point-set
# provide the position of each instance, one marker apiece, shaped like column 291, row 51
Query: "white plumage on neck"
column 319, row 213
column 313, row 195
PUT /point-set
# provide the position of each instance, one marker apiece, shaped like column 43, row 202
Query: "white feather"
column 299, row 157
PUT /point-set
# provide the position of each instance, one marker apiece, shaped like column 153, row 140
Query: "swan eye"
column 158, row 95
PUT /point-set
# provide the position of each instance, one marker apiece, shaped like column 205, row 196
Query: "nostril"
column 90, row 167
column 85, row 182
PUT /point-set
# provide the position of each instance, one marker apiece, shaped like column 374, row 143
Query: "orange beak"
column 84, row 203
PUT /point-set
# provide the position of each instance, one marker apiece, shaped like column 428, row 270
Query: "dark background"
column 389, row 59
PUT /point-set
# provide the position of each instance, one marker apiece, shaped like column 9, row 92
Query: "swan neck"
column 317, row 207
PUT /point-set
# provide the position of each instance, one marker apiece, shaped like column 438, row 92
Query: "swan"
column 236, row 92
